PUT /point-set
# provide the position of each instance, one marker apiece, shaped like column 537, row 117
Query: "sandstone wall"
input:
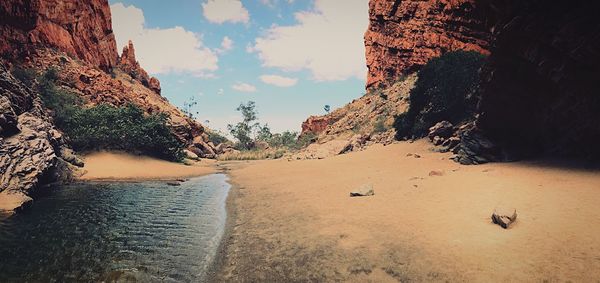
column 540, row 90
column 83, row 29
column 404, row 34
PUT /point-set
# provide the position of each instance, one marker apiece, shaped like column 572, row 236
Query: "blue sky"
column 289, row 56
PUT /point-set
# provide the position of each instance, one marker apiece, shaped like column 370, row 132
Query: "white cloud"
column 221, row 91
column 271, row 3
column 227, row 43
column 327, row 41
column 161, row 50
column 244, row 87
column 279, row 81
column 220, row 11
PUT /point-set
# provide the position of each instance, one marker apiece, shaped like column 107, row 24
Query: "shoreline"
column 217, row 266
column 124, row 167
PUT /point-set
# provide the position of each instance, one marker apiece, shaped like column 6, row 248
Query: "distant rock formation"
column 82, row 29
column 364, row 121
column 129, row 64
column 404, row 34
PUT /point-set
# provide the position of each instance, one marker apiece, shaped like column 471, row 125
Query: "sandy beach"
column 294, row 220
column 118, row 166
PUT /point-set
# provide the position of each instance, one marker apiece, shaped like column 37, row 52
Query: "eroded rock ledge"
column 31, row 148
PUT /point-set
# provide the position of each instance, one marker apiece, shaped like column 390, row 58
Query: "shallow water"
column 91, row 232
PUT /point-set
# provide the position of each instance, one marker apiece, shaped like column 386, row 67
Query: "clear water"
column 92, row 232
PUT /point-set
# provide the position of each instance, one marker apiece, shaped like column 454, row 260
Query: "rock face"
column 31, row 150
column 371, row 115
column 540, row 90
column 82, row 29
column 404, row 34
column 75, row 38
column 131, row 66
column 315, row 124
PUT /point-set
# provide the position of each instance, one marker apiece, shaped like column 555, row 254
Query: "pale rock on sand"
column 363, row 191
column 504, row 217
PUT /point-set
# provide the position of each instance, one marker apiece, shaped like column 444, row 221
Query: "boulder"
column 190, row 155
column 504, row 217
column 436, row 173
column 363, row 191
column 441, row 130
column 69, row 155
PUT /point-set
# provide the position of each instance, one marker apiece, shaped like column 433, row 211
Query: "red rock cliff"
column 82, row 29
column 404, row 35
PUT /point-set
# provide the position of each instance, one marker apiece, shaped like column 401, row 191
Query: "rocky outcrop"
column 129, row 64
column 315, row 124
column 540, row 88
column 118, row 89
column 31, row 149
column 364, row 121
column 82, row 29
column 404, row 34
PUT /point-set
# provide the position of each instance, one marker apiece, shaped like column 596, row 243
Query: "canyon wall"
column 82, row 29
column 540, row 89
column 76, row 39
column 404, row 34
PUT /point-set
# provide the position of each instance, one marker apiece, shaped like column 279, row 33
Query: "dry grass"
column 274, row 153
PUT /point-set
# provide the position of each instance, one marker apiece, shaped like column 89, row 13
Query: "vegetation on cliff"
column 105, row 126
column 442, row 92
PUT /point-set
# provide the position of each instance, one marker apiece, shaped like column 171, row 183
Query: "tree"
column 327, row 108
column 243, row 131
column 188, row 107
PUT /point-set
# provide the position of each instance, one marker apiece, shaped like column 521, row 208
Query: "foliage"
column 264, row 133
column 379, row 126
column 216, row 137
column 254, row 154
column 249, row 131
column 245, row 131
column 188, row 107
column 443, row 91
column 305, row 140
column 26, row 76
column 108, row 127
column 327, row 108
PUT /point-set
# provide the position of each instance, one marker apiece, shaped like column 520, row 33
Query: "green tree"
column 244, row 131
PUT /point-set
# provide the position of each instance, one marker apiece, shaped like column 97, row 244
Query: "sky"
column 291, row 57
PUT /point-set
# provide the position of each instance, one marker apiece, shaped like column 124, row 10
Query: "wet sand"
column 294, row 220
column 116, row 166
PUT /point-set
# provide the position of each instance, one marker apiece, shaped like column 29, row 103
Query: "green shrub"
column 108, row 127
column 443, row 91
column 379, row 126
column 121, row 128
column 305, row 140
column 26, row 76
column 216, row 137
